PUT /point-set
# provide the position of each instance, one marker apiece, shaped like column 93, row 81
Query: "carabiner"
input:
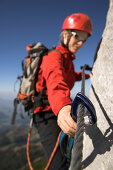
column 90, row 114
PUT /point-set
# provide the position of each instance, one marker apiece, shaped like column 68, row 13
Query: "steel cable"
column 76, row 159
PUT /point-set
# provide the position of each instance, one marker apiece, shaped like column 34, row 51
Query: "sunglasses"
column 79, row 37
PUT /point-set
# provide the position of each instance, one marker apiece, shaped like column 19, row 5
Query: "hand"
column 87, row 76
column 65, row 121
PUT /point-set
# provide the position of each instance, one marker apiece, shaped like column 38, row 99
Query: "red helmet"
column 78, row 21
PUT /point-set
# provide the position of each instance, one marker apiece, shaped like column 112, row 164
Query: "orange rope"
column 53, row 153
column 28, row 141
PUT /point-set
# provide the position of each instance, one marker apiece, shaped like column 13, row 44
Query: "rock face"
column 98, row 139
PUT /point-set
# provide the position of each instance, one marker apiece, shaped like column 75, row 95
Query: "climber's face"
column 77, row 40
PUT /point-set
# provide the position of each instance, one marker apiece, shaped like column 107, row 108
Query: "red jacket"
column 57, row 70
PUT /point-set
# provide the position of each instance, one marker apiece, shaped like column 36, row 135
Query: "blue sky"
column 23, row 22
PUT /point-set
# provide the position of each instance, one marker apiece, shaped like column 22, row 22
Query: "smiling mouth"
column 76, row 48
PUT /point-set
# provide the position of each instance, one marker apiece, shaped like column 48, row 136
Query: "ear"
column 65, row 34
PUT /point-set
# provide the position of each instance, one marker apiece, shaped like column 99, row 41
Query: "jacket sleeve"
column 78, row 76
column 54, row 74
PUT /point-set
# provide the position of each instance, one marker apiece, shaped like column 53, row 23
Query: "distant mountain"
column 13, row 148
column 13, row 140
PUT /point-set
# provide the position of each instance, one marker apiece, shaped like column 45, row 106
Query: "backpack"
column 27, row 94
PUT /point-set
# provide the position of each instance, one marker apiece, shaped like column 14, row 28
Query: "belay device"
column 89, row 114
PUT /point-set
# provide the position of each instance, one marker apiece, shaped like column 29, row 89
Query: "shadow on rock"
column 101, row 142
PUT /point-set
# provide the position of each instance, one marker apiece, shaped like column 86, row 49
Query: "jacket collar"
column 64, row 50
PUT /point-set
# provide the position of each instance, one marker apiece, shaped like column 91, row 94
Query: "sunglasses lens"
column 78, row 37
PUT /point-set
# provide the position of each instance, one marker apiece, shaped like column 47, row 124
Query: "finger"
column 71, row 123
column 66, row 128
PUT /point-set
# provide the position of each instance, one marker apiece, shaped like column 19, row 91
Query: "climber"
column 55, row 80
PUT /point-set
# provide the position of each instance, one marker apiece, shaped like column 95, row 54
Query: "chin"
column 75, row 51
